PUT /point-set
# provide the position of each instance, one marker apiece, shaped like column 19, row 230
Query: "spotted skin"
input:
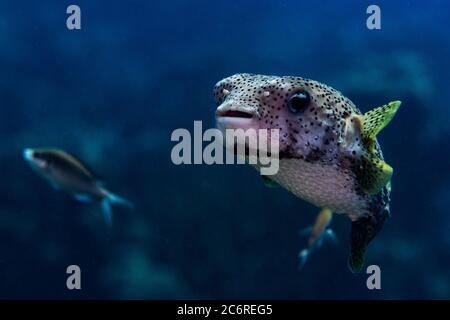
column 323, row 156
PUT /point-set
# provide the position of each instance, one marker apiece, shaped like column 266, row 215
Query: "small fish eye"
column 299, row 101
column 37, row 155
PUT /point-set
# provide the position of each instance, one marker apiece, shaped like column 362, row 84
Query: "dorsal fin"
column 99, row 178
column 373, row 121
column 77, row 163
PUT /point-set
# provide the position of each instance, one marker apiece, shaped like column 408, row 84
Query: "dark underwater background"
column 113, row 92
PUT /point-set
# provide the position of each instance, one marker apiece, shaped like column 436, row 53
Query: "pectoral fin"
column 372, row 173
column 269, row 182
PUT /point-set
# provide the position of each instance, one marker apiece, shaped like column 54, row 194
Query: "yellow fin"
column 373, row 174
column 375, row 120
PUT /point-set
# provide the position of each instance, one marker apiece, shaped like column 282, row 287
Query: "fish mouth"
column 28, row 155
column 234, row 114
column 235, row 118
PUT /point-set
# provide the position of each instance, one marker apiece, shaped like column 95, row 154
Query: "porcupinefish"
column 317, row 235
column 328, row 151
column 67, row 173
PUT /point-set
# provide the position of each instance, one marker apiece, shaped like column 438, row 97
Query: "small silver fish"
column 68, row 174
column 318, row 234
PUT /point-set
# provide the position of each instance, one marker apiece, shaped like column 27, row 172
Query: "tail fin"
column 107, row 211
column 330, row 236
column 303, row 257
column 362, row 233
column 113, row 199
column 327, row 236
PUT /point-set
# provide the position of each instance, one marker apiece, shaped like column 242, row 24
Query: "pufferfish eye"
column 299, row 101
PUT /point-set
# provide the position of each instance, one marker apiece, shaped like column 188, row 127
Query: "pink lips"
column 234, row 119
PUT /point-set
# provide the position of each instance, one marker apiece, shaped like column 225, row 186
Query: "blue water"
column 113, row 92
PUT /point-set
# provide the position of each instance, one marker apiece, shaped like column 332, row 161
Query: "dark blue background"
column 114, row 91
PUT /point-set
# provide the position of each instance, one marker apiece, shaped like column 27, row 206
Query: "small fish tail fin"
column 330, row 236
column 110, row 199
column 115, row 199
column 107, row 210
column 303, row 257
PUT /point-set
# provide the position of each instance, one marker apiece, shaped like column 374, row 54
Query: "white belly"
column 323, row 186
